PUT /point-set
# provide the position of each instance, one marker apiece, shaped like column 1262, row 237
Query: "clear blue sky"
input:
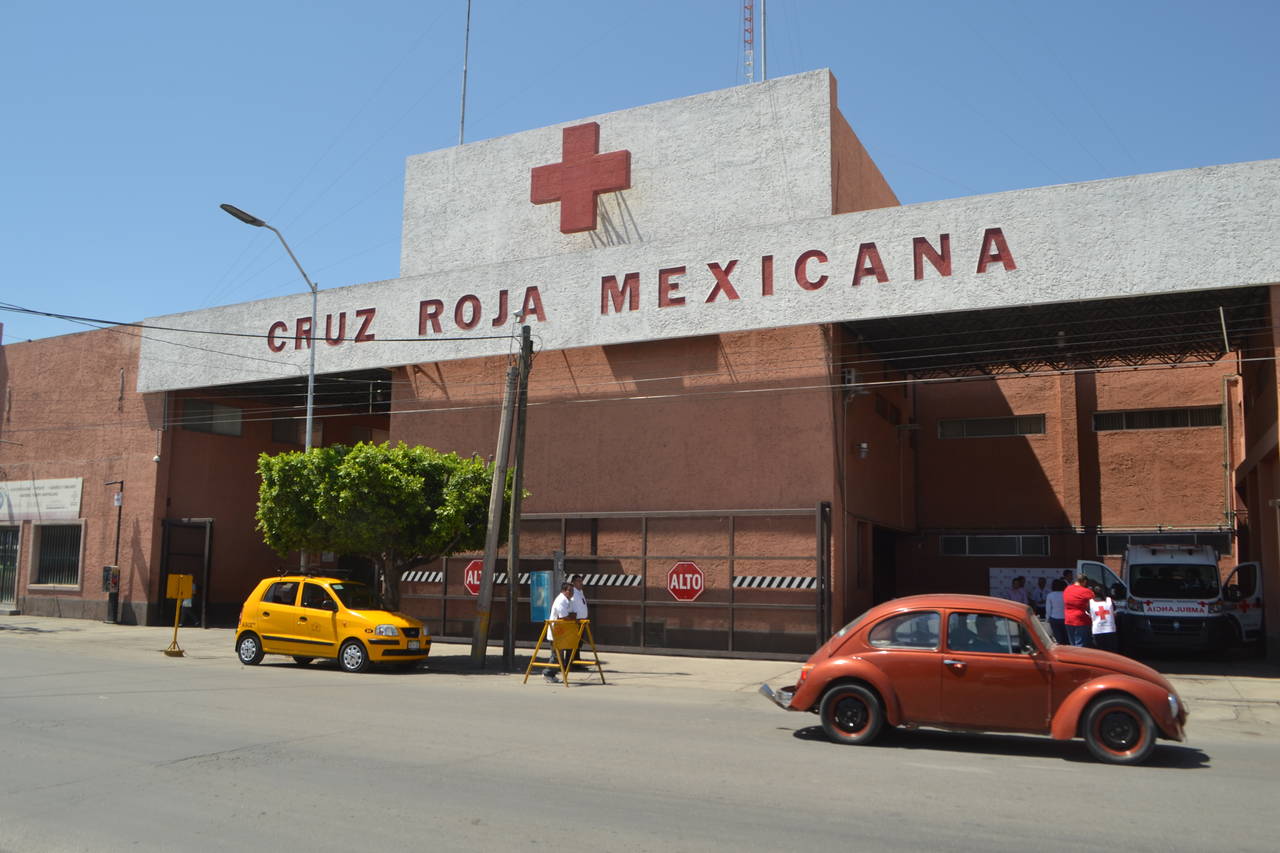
column 127, row 123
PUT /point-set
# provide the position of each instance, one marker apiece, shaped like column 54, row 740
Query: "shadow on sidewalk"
column 1239, row 663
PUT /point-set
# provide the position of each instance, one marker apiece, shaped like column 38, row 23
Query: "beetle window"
column 984, row 632
column 907, row 631
column 282, row 592
column 315, row 597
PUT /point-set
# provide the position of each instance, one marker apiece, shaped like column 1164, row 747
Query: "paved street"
column 108, row 745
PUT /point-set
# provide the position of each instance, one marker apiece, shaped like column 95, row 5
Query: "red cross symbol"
column 1103, row 612
column 1244, row 606
column 582, row 174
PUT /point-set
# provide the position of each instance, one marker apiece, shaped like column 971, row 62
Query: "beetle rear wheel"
column 1119, row 730
column 851, row 714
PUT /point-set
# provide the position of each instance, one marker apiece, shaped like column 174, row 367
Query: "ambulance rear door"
column 1242, row 599
column 1100, row 573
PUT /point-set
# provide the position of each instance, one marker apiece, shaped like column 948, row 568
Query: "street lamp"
column 250, row 219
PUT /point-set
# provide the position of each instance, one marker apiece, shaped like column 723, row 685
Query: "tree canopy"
column 399, row 506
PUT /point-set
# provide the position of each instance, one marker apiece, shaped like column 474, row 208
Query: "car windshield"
column 355, row 596
column 1173, row 580
column 1042, row 633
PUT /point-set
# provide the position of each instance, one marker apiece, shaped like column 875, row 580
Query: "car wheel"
column 352, row 657
column 300, row 660
column 851, row 714
column 249, row 649
column 1119, row 730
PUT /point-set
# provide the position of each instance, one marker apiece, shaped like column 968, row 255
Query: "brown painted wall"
column 1070, row 480
column 735, row 421
column 1258, row 474
column 1170, row 477
column 67, row 416
column 215, row 476
column 856, row 181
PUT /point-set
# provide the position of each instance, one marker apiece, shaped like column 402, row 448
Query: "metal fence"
column 761, row 578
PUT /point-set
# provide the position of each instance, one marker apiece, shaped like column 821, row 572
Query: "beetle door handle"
column 954, row 662
column 266, row 613
column 302, row 619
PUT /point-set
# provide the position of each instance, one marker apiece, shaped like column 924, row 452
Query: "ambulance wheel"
column 249, row 649
column 851, row 714
column 352, row 657
column 1119, row 730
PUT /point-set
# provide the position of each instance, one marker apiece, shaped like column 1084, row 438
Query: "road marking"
column 948, row 767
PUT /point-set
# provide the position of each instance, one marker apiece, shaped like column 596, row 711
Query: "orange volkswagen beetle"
column 975, row 663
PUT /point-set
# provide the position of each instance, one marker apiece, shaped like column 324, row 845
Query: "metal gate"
column 765, row 589
column 186, row 551
column 9, row 566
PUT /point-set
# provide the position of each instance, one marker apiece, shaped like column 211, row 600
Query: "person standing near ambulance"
column 1075, row 604
column 1056, row 613
column 1102, row 612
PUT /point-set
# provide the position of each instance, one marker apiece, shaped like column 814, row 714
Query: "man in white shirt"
column 562, row 608
column 1036, row 596
column 579, row 597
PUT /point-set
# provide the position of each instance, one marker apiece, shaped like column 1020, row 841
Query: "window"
column 985, row 632
column 1113, row 544
column 288, row 430
column 1174, row 580
column 356, row 596
column 1200, row 416
column 282, row 592
column 994, row 546
column 203, row 416
column 907, row 631
column 992, row 427
column 315, row 597
column 57, row 554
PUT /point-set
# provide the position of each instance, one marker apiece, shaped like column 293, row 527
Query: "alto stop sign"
column 685, row 581
column 471, row 576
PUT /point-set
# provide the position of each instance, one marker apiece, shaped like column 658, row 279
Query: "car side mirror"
column 1231, row 593
column 1119, row 590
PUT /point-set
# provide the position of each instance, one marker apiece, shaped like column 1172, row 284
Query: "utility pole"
column 517, row 486
column 466, row 50
column 113, row 593
column 484, row 603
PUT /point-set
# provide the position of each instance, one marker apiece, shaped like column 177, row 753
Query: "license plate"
column 413, row 644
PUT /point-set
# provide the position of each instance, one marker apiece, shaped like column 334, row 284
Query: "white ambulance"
column 1172, row 597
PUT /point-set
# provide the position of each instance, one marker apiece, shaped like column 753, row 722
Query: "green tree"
column 400, row 506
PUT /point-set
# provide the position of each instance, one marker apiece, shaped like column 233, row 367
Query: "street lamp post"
column 250, row 219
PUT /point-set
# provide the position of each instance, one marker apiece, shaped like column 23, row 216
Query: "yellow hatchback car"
column 319, row 617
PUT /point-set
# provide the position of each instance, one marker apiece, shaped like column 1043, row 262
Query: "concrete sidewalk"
column 1243, row 694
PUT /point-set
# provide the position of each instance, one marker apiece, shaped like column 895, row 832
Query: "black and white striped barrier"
column 501, row 577
column 774, row 582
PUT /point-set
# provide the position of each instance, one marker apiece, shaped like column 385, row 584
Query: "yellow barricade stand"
column 564, row 635
column 178, row 588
